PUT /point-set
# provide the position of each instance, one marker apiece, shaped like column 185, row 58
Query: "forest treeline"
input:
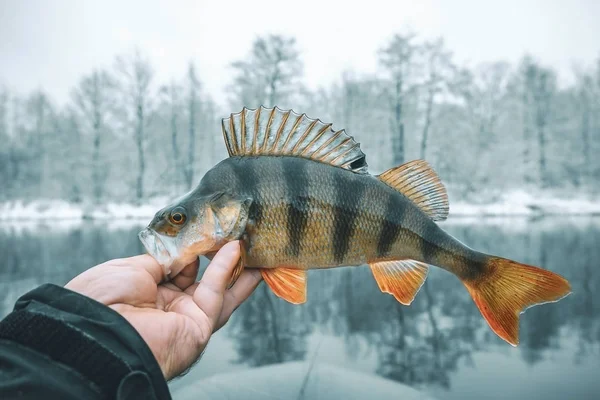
column 124, row 136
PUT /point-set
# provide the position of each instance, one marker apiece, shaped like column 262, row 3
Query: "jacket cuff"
column 89, row 338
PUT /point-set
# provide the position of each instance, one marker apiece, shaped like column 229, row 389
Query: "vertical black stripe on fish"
column 390, row 226
column 430, row 242
column 348, row 196
column 296, row 179
column 249, row 174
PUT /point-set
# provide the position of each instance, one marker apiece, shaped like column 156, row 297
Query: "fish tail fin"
column 508, row 288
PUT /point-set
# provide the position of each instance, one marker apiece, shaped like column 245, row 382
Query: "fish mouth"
column 158, row 247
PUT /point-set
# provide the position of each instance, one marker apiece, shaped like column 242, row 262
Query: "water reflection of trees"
column 424, row 343
column 46, row 254
column 267, row 330
column 413, row 345
column 419, row 345
column 584, row 313
column 568, row 247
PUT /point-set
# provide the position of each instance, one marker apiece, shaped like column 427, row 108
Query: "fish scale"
column 274, row 237
column 298, row 195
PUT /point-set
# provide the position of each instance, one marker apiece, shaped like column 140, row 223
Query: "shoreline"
column 516, row 204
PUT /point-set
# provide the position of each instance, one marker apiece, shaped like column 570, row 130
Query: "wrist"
column 87, row 337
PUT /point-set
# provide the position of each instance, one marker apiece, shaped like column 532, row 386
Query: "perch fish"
column 298, row 196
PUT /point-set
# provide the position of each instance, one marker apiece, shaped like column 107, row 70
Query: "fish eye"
column 177, row 216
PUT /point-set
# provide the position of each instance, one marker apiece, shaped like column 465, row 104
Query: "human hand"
column 177, row 318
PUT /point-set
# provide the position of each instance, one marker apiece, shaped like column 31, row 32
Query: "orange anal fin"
column 237, row 271
column 508, row 289
column 400, row 278
column 287, row 283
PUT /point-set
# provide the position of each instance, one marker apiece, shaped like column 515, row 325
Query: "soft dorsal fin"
column 276, row 132
column 419, row 182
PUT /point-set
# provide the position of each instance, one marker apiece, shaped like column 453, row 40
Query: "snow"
column 297, row 380
column 127, row 211
column 518, row 203
column 41, row 209
column 529, row 204
column 51, row 210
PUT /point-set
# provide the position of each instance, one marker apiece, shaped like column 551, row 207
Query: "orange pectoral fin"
column 287, row 283
column 401, row 278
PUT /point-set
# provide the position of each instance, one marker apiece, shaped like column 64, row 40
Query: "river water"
column 440, row 344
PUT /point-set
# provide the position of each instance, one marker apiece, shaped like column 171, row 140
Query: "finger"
column 185, row 305
column 187, row 276
column 211, row 288
column 191, row 289
column 234, row 297
column 147, row 262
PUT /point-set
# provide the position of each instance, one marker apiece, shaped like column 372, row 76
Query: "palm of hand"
column 175, row 319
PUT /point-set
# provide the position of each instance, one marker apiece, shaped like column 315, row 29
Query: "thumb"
column 211, row 289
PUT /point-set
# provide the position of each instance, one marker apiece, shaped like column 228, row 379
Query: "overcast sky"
column 52, row 43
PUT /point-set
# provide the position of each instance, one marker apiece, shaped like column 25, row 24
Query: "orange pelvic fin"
column 400, row 278
column 287, row 283
column 508, row 289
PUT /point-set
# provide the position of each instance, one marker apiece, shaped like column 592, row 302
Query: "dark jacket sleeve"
column 59, row 344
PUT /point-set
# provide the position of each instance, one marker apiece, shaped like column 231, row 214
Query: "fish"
column 298, row 196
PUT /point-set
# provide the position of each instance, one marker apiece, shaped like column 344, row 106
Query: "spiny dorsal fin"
column 419, row 182
column 276, row 132
column 400, row 278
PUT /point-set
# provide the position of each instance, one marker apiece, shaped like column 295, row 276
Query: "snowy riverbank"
column 527, row 204
column 295, row 380
column 62, row 210
column 516, row 203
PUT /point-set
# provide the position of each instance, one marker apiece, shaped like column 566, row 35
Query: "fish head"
column 192, row 226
